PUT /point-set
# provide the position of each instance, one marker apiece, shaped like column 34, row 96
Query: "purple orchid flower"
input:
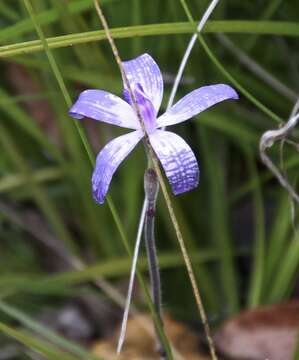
column 175, row 155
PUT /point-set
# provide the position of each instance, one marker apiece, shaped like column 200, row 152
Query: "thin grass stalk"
column 222, row 69
column 280, row 28
column 14, row 181
column 265, row 177
column 278, row 242
column 136, row 19
column 8, row 12
column 40, row 329
column 215, row 170
column 267, row 14
column 257, row 69
column 157, row 169
column 257, row 281
column 286, row 273
column 24, row 122
column 38, row 346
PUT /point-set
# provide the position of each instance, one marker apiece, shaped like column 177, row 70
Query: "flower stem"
column 152, row 258
column 151, row 187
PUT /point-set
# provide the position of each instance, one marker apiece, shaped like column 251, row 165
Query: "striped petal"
column 104, row 106
column 108, row 161
column 195, row 102
column 144, row 71
column 177, row 159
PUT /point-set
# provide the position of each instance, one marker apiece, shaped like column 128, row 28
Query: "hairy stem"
column 151, row 187
column 149, row 237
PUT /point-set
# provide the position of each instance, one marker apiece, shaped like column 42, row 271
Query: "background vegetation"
column 238, row 224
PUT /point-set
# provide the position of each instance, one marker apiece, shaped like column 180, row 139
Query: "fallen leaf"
column 140, row 344
column 268, row 332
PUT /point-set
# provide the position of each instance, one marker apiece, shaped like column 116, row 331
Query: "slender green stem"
column 37, row 328
column 221, row 68
column 149, row 235
column 232, row 26
column 8, row 11
column 270, row 9
column 258, row 267
column 215, row 170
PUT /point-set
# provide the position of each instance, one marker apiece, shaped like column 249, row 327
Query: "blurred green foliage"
column 237, row 225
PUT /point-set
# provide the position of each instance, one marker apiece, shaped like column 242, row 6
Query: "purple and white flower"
column 175, row 155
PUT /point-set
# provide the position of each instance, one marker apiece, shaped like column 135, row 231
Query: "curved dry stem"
column 268, row 139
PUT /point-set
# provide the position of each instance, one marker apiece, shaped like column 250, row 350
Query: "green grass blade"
column 222, row 69
column 12, row 182
column 290, row 163
column 48, row 334
column 258, row 260
column 285, row 274
column 110, row 269
column 270, row 9
column 45, row 18
column 26, row 123
column 219, row 221
column 278, row 240
column 32, row 342
column 8, row 12
column 37, row 192
column 233, row 26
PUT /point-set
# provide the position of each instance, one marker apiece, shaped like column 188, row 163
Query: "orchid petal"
column 104, row 106
column 108, row 161
column 177, row 159
column 144, row 71
column 195, row 102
